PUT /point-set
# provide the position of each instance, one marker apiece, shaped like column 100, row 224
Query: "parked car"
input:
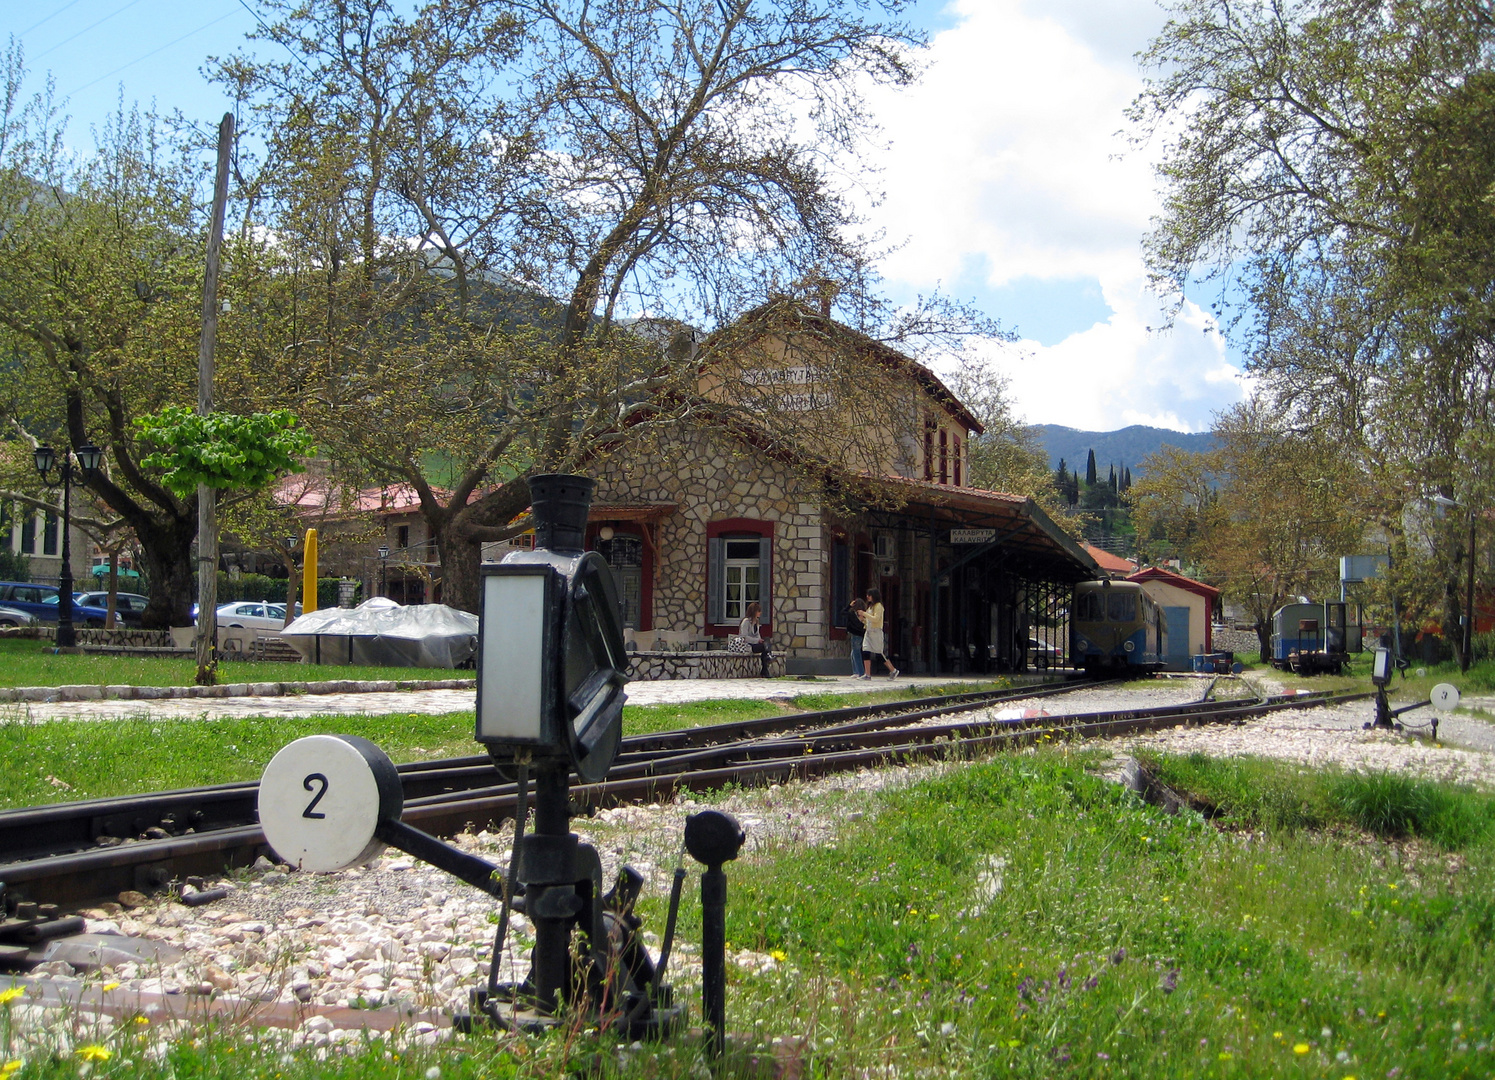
column 129, row 607
column 41, row 601
column 253, row 614
column 1043, row 655
column 12, row 617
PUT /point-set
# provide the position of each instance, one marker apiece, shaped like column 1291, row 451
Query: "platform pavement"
column 661, row 692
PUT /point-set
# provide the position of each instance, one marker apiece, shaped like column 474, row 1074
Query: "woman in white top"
column 749, row 632
column 874, row 643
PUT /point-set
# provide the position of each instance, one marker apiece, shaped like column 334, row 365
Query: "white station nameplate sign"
column 321, row 800
column 972, row 536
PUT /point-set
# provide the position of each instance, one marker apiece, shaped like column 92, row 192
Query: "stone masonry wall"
column 712, row 477
column 650, row 666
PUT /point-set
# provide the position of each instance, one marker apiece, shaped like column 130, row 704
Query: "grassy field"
column 28, row 663
column 1023, row 917
column 64, row 760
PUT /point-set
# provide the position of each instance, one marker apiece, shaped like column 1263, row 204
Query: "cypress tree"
column 1112, row 478
column 1090, row 470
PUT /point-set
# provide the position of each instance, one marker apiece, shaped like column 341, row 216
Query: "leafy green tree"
column 1332, row 161
column 464, row 307
column 100, row 286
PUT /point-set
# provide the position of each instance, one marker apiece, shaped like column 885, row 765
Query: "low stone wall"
column 87, row 692
column 654, row 666
column 123, row 638
column 1241, row 642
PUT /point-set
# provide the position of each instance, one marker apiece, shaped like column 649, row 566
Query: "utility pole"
column 207, row 497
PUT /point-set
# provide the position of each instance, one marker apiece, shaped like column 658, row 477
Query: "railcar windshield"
column 1090, row 607
column 1122, row 606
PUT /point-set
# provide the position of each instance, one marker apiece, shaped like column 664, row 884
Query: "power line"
column 86, row 29
column 150, row 54
column 48, row 18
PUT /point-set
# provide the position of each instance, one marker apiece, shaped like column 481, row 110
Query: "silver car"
column 12, row 617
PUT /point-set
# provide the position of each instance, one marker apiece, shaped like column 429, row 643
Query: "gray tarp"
column 382, row 632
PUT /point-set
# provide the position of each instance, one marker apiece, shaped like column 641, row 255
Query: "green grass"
column 1122, row 942
column 1247, row 793
column 1024, row 918
column 28, row 663
column 124, row 757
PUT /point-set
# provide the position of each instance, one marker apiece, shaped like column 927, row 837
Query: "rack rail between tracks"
column 446, row 797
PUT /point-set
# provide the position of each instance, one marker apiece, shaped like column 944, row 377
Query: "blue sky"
column 1006, row 180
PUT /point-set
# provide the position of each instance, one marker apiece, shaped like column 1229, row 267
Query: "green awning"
column 103, row 572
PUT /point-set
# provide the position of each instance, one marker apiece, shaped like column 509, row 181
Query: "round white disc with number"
column 1445, row 697
column 322, row 798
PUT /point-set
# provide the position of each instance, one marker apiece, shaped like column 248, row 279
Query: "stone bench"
column 700, row 664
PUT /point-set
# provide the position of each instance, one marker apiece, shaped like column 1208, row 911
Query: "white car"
column 252, row 614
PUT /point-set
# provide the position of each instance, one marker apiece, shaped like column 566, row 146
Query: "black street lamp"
column 88, row 457
column 383, row 560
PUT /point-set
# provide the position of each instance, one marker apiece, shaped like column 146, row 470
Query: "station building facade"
column 718, row 517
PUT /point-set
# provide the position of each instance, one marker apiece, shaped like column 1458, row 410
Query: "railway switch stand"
column 1443, row 698
column 714, row 838
column 550, row 678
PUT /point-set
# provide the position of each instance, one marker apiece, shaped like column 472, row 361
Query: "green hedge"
column 260, row 587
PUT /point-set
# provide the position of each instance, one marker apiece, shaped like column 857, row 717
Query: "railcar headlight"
column 1129, row 646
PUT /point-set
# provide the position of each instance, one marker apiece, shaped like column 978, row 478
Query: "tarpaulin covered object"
column 382, row 632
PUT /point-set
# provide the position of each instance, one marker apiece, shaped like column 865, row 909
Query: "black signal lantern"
column 551, row 659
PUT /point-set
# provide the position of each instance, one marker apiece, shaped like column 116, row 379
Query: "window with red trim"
column 739, row 570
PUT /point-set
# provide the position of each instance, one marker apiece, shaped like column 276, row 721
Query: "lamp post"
column 88, row 457
column 1468, row 636
column 383, row 560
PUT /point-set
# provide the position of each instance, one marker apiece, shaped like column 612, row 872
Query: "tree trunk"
column 1264, row 639
column 293, row 589
column 113, row 590
column 167, row 554
column 460, row 536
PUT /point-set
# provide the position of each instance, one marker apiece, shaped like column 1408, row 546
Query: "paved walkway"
column 668, row 691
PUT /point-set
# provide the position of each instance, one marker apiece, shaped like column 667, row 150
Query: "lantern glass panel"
column 511, row 708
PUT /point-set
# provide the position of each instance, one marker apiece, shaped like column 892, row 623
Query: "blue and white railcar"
column 1115, row 627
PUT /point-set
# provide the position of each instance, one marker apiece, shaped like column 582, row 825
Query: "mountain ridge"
column 1125, row 447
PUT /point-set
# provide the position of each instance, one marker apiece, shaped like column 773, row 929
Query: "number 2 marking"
column 310, row 811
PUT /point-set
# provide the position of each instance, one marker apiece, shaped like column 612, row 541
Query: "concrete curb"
column 86, row 692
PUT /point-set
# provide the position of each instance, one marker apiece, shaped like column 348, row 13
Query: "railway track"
column 72, row 853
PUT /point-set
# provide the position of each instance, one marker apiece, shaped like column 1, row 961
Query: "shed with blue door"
column 1188, row 606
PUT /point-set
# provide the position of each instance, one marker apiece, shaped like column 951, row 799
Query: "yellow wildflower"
column 1300, row 1048
column 10, row 994
column 779, row 954
column 94, row 1052
column 110, row 986
column 10, row 1067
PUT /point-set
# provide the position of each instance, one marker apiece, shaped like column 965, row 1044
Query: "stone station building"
column 698, row 529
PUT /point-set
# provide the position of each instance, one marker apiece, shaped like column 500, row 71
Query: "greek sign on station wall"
column 972, row 536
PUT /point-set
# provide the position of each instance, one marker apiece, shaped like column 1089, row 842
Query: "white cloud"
column 1007, row 157
column 1125, row 371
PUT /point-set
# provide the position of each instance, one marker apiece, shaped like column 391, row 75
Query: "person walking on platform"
column 750, row 634
column 874, row 643
column 854, row 632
